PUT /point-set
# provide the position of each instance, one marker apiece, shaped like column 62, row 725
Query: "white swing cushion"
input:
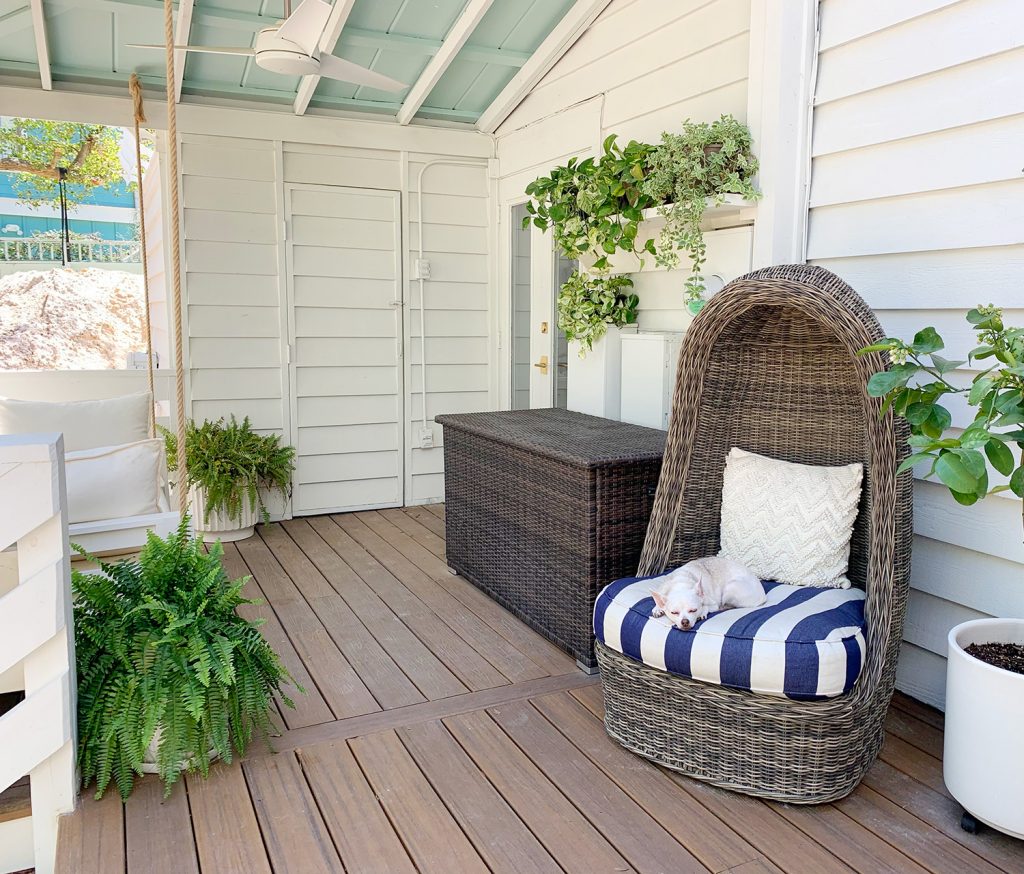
column 114, row 482
column 85, row 424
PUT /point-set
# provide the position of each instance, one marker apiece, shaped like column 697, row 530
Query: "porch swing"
column 115, row 464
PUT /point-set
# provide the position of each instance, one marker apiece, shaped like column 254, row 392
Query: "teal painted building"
column 108, row 213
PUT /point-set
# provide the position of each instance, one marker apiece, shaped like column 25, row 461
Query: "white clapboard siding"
column 345, row 317
column 652, row 64
column 917, row 201
column 232, row 271
column 456, row 319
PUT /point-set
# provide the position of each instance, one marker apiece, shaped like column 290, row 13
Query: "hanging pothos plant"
column 587, row 305
column 594, row 209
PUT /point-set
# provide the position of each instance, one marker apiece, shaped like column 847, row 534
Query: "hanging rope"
column 175, row 212
column 135, row 87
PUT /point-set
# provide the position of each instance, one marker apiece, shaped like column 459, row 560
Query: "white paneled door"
column 345, row 370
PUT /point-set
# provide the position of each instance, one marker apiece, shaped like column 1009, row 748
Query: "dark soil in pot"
column 1008, row 656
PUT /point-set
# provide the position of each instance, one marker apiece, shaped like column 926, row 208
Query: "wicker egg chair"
column 770, row 364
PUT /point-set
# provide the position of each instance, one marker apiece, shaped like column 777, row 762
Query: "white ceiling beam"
column 182, row 31
column 557, row 43
column 453, row 42
column 42, row 51
column 332, row 33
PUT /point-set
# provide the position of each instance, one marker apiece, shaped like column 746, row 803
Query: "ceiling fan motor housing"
column 282, row 56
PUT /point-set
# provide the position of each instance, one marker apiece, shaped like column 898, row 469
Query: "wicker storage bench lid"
column 572, row 438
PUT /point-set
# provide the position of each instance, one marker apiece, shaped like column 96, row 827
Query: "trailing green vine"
column 588, row 305
column 594, row 209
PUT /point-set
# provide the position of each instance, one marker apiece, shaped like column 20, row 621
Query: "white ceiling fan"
column 292, row 47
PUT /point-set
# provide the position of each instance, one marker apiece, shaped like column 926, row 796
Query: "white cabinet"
column 648, row 374
column 593, row 381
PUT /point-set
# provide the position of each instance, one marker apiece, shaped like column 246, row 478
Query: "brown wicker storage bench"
column 546, row 507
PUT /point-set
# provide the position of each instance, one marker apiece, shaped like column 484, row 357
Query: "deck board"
column 440, row 733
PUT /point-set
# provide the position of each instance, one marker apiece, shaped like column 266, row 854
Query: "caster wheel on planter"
column 969, row 824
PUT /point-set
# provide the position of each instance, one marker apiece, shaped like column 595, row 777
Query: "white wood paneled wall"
column 917, row 200
column 235, row 269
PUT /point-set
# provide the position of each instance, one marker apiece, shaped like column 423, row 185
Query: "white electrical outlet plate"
column 421, row 269
column 426, row 438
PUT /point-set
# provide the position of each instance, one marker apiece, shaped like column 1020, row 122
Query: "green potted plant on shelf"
column 983, row 760
column 170, row 677
column 229, row 469
column 595, row 208
column 704, row 161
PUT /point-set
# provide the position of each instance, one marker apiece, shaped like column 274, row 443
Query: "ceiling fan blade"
column 211, row 50
column 334, row 67
column 306, row 24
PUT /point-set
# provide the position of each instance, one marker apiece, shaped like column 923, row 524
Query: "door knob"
column 542, row 365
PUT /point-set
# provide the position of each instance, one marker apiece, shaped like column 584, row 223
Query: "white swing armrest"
column 109, row 536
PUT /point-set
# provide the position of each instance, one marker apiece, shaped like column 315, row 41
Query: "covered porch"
column 439, row 733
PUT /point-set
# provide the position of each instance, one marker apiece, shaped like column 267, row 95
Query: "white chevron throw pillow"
column 789, row 522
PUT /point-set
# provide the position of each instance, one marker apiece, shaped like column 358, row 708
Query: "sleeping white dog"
column 703, row 586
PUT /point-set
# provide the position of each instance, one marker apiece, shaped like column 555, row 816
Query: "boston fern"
column 917, row 383
column 162, row 654
column 231, row 463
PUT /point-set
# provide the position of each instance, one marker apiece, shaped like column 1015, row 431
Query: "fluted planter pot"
column 149, row 760
column 220, row 526
column 983, row 758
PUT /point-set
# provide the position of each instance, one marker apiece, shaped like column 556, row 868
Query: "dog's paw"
column 657, row 613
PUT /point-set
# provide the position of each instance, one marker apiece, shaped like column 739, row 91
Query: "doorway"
column 539, row 350
column 345, row 347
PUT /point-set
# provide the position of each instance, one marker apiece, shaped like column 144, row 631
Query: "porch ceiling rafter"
column 182, row 31
column 556, row 44
column 457, row 37
column 332, row 32
column 17, row 20
column 42, row 50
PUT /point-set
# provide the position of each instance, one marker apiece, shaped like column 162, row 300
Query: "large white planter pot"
column 151, row 757
column 595, row 381
column 983, row 758
column 220, row 526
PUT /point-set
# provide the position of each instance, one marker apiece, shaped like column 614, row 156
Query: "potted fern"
column 983, row 758
column 230, row 468
column 170, row 677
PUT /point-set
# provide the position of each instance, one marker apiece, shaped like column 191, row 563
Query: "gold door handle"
column 542, row 365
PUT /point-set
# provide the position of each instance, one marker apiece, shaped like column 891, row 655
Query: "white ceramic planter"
column 149, row 760
column 983, row 759
column 220, row 526
column 595, row 381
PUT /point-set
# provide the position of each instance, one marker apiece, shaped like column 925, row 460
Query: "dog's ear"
column 700, row 586
column 659, row 598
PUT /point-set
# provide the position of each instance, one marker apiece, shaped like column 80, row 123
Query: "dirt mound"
column 66, row 319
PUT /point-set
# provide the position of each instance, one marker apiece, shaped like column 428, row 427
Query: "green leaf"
column 886, row 380
column 1000, row 456
column 965, row 498
column 874, row 347
column 954, row 473
column 1017, row 482
column 945, row 365
column 912, row 460
column 637, row 172
column 973, row 460
column 918, row 412
column 979, row 388
column 926, row 341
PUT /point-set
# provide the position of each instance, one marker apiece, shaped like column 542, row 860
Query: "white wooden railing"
column 37, row 737
column 93, row 251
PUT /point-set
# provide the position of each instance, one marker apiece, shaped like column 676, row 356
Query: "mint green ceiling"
column 88, row 44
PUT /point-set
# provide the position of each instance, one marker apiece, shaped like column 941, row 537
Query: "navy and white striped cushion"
column 803, row 643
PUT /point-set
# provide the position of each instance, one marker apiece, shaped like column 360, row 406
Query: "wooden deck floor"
column 440, row 734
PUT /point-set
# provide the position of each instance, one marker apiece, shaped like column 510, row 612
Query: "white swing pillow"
column 115, row 482
column 85, row 424
column 789, row 522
